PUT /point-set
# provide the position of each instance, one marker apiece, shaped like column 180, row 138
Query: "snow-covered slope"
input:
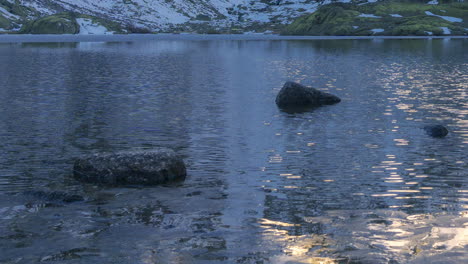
column 87, row 27
column 163, row 14
column 172, row 15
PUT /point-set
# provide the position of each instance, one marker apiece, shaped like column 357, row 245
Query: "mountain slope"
column 142, row 16
column 384, row 18
column 165, row 15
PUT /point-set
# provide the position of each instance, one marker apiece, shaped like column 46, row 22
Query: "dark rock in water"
column 54, row 196
column 294, row 95
column 438, row 131
column 135, row 167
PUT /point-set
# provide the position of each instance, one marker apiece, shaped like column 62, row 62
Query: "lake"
column 356, row 182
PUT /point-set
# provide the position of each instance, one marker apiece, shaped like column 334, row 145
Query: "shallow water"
column 356, row 182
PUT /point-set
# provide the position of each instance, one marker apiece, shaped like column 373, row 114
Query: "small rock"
column 157, row 166
column 438, row 131
column 380, row 222
column 297, row 95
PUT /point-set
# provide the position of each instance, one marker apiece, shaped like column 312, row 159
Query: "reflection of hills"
column 132, row 100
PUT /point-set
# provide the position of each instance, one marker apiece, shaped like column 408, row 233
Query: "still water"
column 356, row 182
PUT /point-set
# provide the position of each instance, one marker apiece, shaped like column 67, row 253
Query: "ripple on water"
column 357, row 181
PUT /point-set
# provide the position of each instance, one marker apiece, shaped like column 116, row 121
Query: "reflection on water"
column 357, row 182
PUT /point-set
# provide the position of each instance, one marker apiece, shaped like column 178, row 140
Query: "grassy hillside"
column 64, row 23
column 57, row 24
column 17, row 13
column 17, row 18
column 383, row 18
column 358, row 18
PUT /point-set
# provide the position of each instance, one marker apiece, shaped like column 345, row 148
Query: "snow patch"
column 433, row 2
column 40, row 7
column 87, row 27
column 377, row 30
column 369, row 15
column 162, row 14
column 446, row 30
column 396, row 15
column 429, row 33
column 448, row 18
column 355, row 27
column 283, row 13
column 7, row 14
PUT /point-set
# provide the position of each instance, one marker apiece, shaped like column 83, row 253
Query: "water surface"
column 356, row 182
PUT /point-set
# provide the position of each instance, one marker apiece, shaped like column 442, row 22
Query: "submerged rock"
column 295, row 95
column 54, row 196
column 134, row 167
column 438, row 131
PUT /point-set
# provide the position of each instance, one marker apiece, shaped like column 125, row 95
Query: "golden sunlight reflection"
column 421, row 176
column 371, row 146
column 459, row 237
column 413, row 233
column 401, row 142
column 275, row 158
column 296, row 248
column 390, row 231
column 264, row 221
column 404, row 191
column 384, row 194
column 413, row 197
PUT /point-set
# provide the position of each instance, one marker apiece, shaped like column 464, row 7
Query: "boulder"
column 157, row 166
column 438, row 131
column 295, row 95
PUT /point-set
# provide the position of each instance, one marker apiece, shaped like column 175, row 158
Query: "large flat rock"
column 151, row 167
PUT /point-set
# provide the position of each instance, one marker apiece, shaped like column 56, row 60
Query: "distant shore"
column 20, row 38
